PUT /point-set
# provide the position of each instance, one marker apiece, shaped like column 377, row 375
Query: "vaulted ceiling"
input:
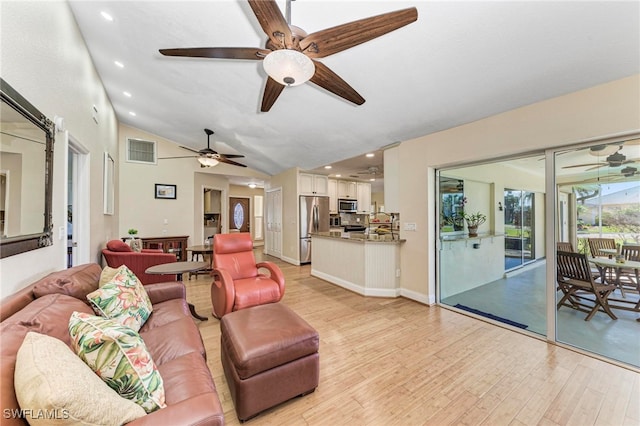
column 459, row 62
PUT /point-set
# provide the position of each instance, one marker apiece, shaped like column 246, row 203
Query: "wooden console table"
column 175, row 245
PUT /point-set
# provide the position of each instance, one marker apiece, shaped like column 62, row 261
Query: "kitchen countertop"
column 356, row 237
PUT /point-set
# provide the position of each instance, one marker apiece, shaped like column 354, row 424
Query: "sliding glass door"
column 592, row 192
column 472, row 267
column 519, row 225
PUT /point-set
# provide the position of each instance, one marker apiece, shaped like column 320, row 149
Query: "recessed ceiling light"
column 127, row 94
column 327, row 167
column 371, row 154
column 106, row 16
column 372, row 180
column 132, row 113
column 338, row 175
column 252, row 185
column 119, row 64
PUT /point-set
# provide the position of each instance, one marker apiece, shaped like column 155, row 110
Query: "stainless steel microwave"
column 346, row 205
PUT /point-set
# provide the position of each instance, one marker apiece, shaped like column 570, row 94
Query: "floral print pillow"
column 122, row 299
column 119, row 357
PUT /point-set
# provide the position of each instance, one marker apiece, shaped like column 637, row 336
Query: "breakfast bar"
column 370, row 267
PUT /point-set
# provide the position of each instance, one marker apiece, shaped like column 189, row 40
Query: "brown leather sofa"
column 170, row 335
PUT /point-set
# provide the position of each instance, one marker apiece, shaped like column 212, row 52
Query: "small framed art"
column 167, row 192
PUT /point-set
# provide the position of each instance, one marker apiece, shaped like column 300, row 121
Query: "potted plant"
column 473, row 221
column 132, row 233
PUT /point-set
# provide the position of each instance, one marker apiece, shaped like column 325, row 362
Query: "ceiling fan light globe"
column 208, row 161
column 289, row 67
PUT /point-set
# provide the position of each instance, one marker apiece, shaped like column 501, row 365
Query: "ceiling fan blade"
column 585, row 165
column 330, row 81
column 234, row 163
column 190, row 149
column 596, row 167
column 271, row 92
column 171, row 158
column 272, row 22
column 232, row 155
column 218, row 52
column 336, row 39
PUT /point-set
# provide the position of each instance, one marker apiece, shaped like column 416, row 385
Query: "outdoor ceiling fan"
column 615, row 159
column 290, row 55
column 207, row 156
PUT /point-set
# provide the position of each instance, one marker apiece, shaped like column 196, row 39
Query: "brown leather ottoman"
column 269, row 355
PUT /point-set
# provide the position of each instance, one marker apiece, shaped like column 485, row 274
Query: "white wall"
column 599, row 111
column 44, row 58
column 138, row 208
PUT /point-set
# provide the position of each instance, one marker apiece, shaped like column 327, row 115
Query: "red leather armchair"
column 238, row 284
column 119, row 253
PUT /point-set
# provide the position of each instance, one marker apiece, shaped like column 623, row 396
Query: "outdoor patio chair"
column 601, row 247
column 630, row 277
column 577, row 283
column 564, row 246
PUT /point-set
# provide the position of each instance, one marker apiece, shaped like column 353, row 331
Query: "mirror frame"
column 23, row 243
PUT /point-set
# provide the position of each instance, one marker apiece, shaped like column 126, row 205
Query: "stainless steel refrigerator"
column 314, row 217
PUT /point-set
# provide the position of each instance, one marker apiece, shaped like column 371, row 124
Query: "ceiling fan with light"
column 207, row 157
column 616, row 159
column 290, row 55
column 371, row 171
column 614, row 156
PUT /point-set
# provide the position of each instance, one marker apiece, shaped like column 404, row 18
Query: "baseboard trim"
column 356, row 288
column 290, row 260
column 418, row 297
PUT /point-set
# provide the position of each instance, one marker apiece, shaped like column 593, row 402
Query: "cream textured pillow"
column 107, row 275
column 57, row 388
column 123, row 299
column 119, row 356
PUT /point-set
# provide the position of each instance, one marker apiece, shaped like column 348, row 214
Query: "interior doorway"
column 77, row 202
column 239, row 214
column 212, row 202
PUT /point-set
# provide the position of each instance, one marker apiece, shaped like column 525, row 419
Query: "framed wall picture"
column 165, row 191
column 108, row 184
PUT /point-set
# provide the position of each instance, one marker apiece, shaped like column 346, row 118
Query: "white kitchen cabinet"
column 364, row 197
column 347, row 189
column 333, row 196
column 309, row 184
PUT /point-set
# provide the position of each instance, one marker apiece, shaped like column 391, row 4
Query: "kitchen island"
column 370, row 267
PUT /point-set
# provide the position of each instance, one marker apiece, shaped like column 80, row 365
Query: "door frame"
column 223, row 212
column 81, row 198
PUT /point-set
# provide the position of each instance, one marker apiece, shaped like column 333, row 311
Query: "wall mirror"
column 26, row 167
column 451, row 202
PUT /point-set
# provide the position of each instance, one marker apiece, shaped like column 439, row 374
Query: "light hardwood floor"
column 398, row 362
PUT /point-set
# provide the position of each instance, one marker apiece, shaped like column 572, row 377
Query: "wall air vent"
column 141, row 151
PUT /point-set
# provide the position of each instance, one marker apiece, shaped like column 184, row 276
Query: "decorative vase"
column 473, row 231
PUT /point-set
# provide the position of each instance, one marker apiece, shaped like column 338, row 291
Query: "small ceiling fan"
column 208, row 157
column 290, row 54
column 616, row 159
column 371, row 171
